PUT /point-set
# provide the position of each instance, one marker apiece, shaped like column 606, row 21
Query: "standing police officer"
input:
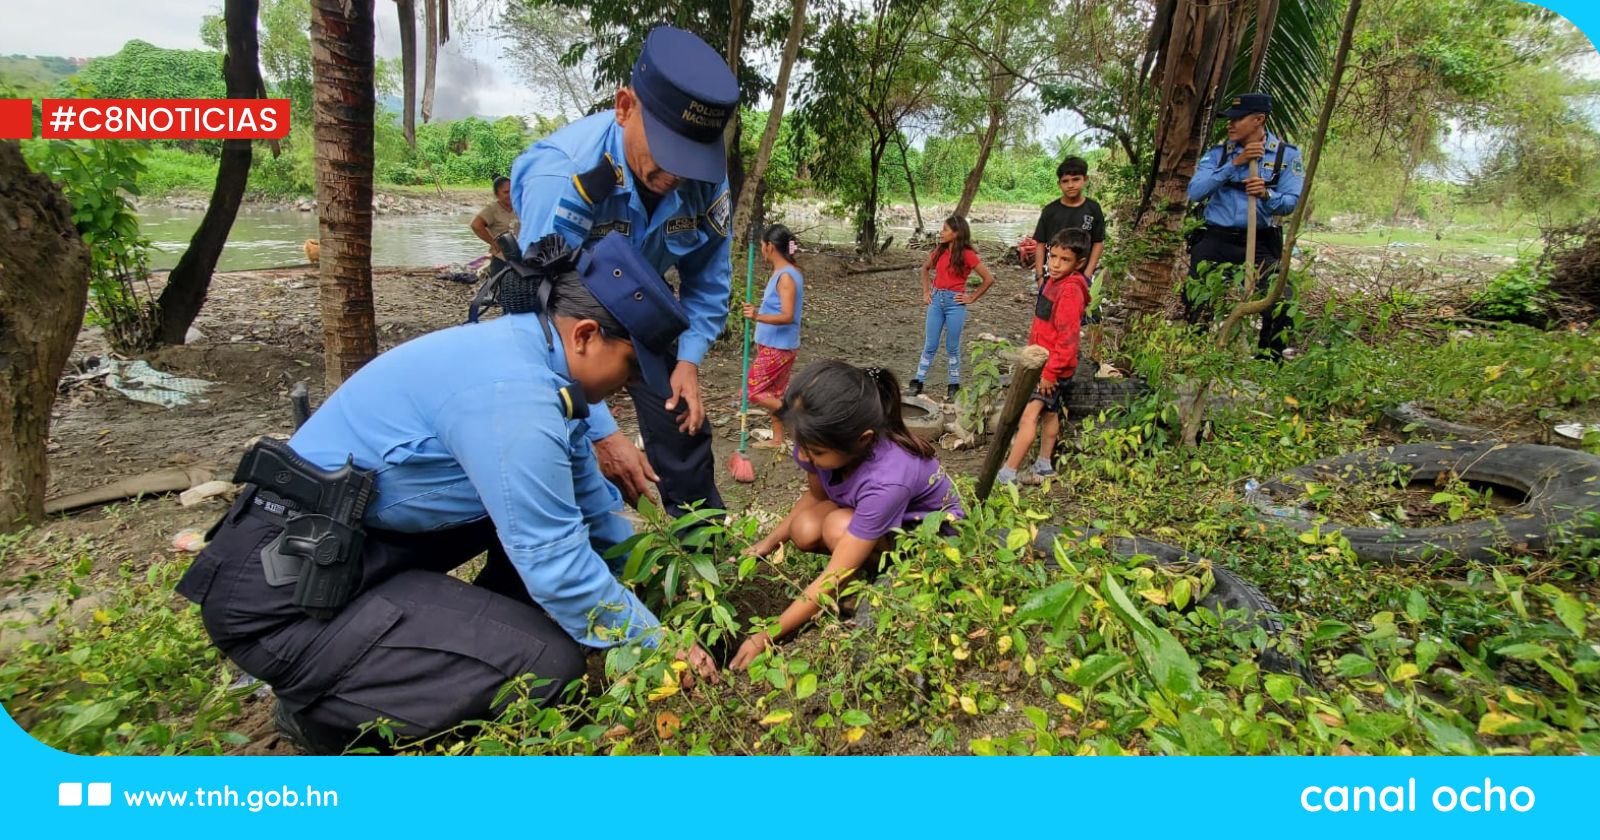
column 328, row 579
column 1223, row 181
column 654, row 170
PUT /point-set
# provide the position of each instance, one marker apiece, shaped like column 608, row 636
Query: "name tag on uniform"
column 680, row 224
column 620, row 226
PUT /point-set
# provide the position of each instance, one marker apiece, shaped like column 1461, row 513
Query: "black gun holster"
column 319, row 550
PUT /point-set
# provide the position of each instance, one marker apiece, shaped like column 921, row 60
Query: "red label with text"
column 166, row 119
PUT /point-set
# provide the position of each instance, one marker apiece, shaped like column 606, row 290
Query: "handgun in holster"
column 320, row 547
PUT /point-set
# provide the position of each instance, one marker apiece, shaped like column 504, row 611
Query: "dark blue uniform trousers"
column 414, row 645
column 685, row 463
column 1226, row 245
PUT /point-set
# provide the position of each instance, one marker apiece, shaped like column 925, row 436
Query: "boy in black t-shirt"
column 1073, row 210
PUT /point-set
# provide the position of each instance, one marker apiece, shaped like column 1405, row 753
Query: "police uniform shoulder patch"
column 1297, row 166
column 680, row 224
column 717, row 215
column 597, row 183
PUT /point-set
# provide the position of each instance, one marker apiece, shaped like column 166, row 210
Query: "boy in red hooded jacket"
column 1057, row 316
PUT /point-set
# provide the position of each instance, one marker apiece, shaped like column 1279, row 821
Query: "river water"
column 273, row 238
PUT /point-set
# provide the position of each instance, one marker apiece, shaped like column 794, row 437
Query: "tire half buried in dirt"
column 1091, row 396
column 1561, row 490
column 1229, row 592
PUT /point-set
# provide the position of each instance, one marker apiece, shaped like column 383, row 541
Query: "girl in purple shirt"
column 868, row 476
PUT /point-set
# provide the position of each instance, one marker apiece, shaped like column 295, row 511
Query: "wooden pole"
column 1024, row 379
column 1250, row 237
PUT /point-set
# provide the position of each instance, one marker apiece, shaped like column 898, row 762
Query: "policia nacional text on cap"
column 654, row 170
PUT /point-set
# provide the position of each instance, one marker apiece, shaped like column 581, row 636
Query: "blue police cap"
column 1247, row 103
column 631, row 290
column 687, row 94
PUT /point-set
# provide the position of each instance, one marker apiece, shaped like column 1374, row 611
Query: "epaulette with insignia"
column 598, row 182
column 573, row 403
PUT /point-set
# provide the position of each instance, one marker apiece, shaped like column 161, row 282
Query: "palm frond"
column 1295, row 67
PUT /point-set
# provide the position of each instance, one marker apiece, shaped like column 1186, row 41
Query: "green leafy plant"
column 98, row 176
column 1520, row 294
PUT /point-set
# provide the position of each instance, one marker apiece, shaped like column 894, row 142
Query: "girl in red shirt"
column 951, row 264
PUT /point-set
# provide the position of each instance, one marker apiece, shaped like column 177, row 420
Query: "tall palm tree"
column 342, row 104
column 1199, row 52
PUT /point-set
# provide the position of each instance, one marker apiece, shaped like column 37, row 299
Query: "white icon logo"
column 70, row 794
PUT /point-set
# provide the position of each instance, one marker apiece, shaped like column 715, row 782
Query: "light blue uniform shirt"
column 689, row 228
column 467, row 422
column 1220, row 183
column 781, row 336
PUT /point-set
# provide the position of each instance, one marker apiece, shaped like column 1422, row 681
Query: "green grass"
column 169, row 171
column 1450, row 241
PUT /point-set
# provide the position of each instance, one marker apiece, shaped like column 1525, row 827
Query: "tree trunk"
column 407, row 11
column 1419, row 139
column 44, row 285
column 739, row 12
column 911, row 182
column 430, row 61
column 1203, row 39
column 969, row 190
column 341, row 63
column 999, row 86
column 190, row 279
column 867, row 224
column 752, row 188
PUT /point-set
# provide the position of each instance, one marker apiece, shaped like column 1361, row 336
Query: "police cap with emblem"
column 687, row 94
column 620, row 279
column 1247, row 103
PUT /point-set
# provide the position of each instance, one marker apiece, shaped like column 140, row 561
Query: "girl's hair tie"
column 794, row 245
column 875, row 373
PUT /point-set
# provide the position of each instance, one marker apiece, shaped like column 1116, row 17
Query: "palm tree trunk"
column 430, row 61
column 407, row 12
column 44, row 285
column 342, row 66
column 190, row 279
column 745, row 209
column 1203, row 39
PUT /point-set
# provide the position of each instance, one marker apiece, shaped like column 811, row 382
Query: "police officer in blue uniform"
column 1222, row 180
column 654, row 170
column 468, row 440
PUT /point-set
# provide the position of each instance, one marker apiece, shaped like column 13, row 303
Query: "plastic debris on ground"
column 189, row 540
column 138, row 381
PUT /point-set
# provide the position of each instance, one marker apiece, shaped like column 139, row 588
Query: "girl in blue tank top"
column 777, row 321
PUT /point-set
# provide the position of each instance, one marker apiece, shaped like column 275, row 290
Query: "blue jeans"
column 948, row 317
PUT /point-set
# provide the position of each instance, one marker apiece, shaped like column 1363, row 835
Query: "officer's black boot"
column 950, row 395
column 914, row 388
column 307, row 736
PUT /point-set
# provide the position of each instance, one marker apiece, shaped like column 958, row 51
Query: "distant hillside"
column 35, row 75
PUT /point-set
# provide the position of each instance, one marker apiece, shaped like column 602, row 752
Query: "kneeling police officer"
column 328, row 577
